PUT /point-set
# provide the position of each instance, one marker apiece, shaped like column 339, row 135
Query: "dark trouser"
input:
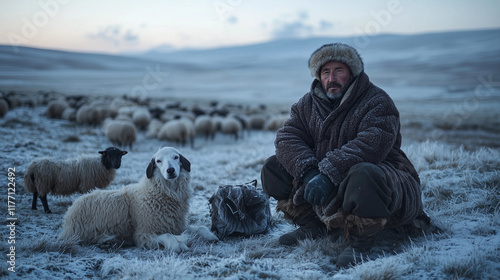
column 367, row 194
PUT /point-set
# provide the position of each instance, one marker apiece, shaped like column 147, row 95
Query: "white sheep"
column 151, row 213
column 4, row 107
column 275, row 122
column 118, row 103
column 141, row 117
column 121, row 133
column 256, row 121
column 88, row 114
column 65, row 177
column 179, row 131
column 231, row 125
column 205, row 126
column 153, row 128
column 217, row 120
column 69, row 114
column 55, row 108
column 126, row 110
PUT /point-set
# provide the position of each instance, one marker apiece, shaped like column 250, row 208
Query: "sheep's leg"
column 45, row 204
column 35, row 198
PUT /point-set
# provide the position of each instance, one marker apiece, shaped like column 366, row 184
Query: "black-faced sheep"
column 65, row 177
column 121, row 133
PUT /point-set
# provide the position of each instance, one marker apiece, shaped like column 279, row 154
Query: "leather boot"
column 313, row 230
column 361, row 234
column 305, row 218
column 358, row 249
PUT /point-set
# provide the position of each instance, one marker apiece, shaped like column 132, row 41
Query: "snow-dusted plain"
column 446, row 88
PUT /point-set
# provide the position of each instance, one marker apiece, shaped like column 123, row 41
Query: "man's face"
column 334, row 77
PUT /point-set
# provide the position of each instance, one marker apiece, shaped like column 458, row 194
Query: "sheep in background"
column 88, row 114
column 153, row 128
column 173, row 114
column 69, row 114
column 118, row 103
column 231, row 125
column 217, row 120
column 179, row 131
column 24, row 100
column 275, row 122
column 104, row 110
column 256, row 121
column 205, row 126
column 13, row 100
column 126, row 111
column 121, row 117
column 65, row 177
column 119, row 132
column 55, row 108
column 141, row 117
column 4, row 108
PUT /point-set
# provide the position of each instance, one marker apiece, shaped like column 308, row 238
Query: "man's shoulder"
column 304, row 100
column 376, row 92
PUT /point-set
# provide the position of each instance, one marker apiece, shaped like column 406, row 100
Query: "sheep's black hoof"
column 48, row 211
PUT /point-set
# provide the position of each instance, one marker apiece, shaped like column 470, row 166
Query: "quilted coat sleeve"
column 294, row 144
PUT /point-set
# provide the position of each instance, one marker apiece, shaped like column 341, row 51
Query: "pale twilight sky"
column 130, row 26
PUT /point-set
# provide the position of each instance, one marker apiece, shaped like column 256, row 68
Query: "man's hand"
column 318, row 189
column 309, row 175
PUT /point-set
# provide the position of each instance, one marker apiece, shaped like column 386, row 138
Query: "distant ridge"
column 362, row 42
column 456, row 61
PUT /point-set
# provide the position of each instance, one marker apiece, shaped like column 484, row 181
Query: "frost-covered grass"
column 461, row 192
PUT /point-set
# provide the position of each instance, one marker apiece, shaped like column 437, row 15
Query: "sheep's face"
column 112, row 157
column 169, row 162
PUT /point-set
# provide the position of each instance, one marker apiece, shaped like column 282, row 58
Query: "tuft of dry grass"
column 52, row 244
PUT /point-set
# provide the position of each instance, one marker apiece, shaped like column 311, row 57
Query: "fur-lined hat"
column 336, row 52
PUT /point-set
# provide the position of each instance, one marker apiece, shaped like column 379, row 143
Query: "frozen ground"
column 461, row 193
column 446, row 88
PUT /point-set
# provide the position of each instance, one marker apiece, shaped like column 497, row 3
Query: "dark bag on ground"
column 239, row 210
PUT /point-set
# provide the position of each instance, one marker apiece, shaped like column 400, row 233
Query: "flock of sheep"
column 122, row 117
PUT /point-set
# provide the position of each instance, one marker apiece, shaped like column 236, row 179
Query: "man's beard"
column 334, row 95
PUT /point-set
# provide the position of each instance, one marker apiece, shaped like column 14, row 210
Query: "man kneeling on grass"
column 338, row 163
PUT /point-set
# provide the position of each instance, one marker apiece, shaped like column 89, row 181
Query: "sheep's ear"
column 124, row 153
column 102, row 153
column 150, row 169
column 185, row 163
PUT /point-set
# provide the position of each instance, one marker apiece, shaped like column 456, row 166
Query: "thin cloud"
column 325, row 25
column 298, row 27
column 115, row 35
column 232, row 20
column 291, row 30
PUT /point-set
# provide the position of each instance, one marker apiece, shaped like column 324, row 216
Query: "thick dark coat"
column 365, row 127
